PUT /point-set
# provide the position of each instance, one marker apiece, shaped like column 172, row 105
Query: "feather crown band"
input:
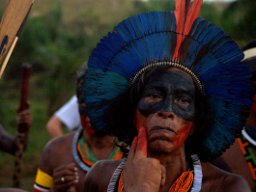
column 170, row 64
column 212, row 58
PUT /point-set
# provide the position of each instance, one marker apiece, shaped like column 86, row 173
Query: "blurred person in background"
column 66, row 159
column 67, row 115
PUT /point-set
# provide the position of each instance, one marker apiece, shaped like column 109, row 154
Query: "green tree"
column 240, row 20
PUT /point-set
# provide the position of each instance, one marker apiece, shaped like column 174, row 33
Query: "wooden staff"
column 23, row 128
column 12, row 21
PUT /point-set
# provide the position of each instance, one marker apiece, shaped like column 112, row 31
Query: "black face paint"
column 171, row 91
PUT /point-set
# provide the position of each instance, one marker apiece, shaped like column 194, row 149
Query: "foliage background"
column 58, row 38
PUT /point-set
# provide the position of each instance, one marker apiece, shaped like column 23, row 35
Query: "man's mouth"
column 162, row 129
column 161, row 133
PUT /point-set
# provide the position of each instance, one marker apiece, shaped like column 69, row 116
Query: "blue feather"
column 100, row 89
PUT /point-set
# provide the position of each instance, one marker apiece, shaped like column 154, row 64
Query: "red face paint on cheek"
column 140, row 120
column 182, row 135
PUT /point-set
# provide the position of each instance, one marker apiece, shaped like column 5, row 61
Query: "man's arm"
column 7, row 142
column 67, row 115
column 43, row 178
column 56, row 162
column 54, row 127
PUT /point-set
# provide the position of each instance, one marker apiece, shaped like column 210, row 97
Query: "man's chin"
column 160, row 147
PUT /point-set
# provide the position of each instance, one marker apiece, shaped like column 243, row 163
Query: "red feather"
column 193, row 14
column 185, row 13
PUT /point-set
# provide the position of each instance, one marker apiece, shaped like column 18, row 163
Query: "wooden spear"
column 21, row 138
column 12, row 21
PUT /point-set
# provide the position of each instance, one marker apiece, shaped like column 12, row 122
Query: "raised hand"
column 65, row 178
column 24, row 123
column 141, row 173
column 25, row 117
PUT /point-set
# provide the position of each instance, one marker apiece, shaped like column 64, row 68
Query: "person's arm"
column 67, row 115
column 7, row 142
column 43, row 178
column 54, row 127
column 52, row 174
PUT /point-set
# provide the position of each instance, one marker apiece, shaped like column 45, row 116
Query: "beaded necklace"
column 116, row 183
column 250, row 134
column 183, row 183
column 247, row 145
column 83, row 155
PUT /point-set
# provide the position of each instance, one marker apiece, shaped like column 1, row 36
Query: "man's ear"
column 192, row 129
column 85, row 121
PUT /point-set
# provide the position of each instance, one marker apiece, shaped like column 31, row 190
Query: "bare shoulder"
column 216, row 179
column 57, row 142
column 57, row 147
column 97, row 179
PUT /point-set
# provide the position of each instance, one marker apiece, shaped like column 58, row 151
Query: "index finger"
column 133, row 148
column 142, row 145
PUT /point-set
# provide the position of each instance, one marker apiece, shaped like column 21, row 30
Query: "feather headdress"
column 179, row 39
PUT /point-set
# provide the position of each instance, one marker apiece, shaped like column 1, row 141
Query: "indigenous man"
column 66, row 159
column 178, row 82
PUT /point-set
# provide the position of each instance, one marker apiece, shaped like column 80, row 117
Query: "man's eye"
column 153, row 98
column 183, row 102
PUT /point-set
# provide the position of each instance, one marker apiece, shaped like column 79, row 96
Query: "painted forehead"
column 172, row 77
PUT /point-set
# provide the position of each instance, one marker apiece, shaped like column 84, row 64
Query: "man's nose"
column 166, row 115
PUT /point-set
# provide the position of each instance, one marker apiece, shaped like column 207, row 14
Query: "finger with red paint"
column 142, row 173
column 133, row 148
column 142, row 144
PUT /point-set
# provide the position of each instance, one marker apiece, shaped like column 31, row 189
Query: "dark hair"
column 249, row 45
column 80, row 91
column 120, row 116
